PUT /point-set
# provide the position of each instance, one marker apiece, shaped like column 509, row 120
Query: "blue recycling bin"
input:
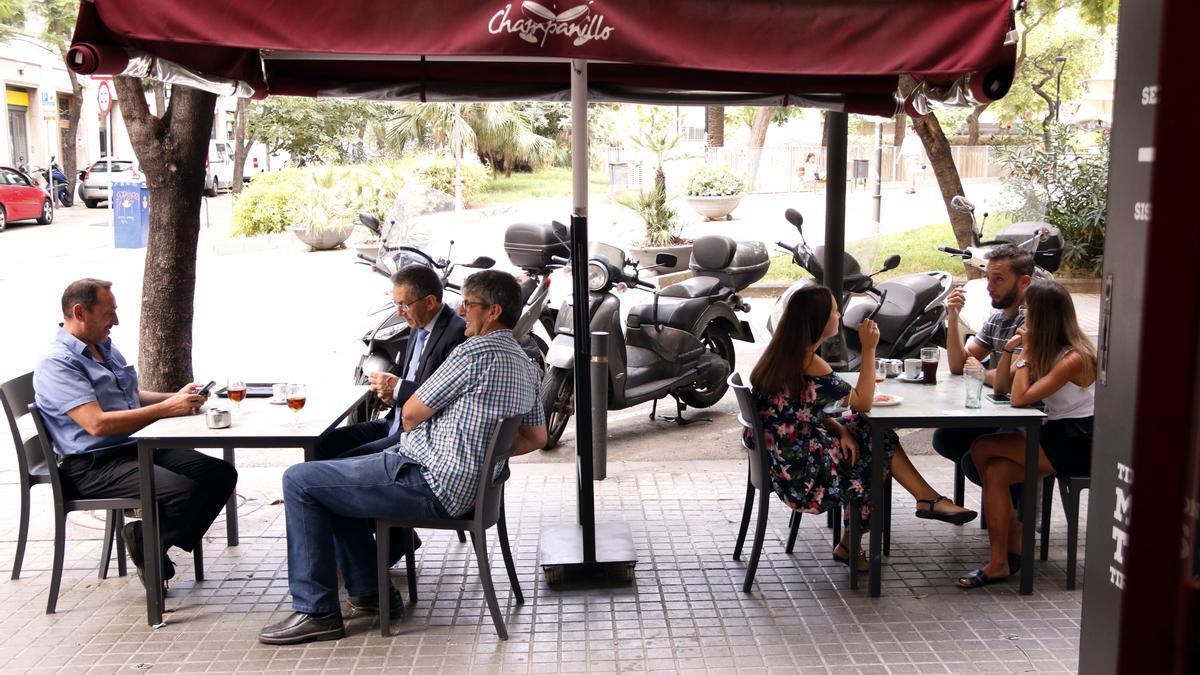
column 131, row 214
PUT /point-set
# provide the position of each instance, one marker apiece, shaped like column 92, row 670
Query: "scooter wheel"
column 558, row 390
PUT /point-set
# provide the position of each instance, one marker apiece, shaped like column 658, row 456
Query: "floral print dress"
column 808, row 470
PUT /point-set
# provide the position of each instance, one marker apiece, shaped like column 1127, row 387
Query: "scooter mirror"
column 370, row 222
column 793, row 216
column 481, row 263
column 961, row 203
column 891, row 263
column 665, row 260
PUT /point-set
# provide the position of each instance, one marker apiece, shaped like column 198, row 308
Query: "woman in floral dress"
column 815, row 457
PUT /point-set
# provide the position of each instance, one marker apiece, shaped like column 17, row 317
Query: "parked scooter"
column 910, row 309
column 1041, row 239
column 680, row 345
column 61, row 194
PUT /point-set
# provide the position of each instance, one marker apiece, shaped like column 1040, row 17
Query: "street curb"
column 236, row 245
column 774, row 289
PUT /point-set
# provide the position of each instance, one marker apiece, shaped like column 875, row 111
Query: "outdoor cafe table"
column 942, row 405
column 259, row 425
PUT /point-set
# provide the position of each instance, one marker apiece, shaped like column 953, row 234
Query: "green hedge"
column 438, row 173
column 273, row 201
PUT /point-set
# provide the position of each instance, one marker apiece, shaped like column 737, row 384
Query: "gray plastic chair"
column 32, row 469
column 1069, row 490
column 488, row 511
column 758, row 478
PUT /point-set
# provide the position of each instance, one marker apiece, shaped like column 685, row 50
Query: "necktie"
column 414, row 361
column 410, row 373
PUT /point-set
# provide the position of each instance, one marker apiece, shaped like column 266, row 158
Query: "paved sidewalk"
column 684, row 613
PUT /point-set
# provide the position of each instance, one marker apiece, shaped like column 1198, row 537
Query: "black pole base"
column 561, row 554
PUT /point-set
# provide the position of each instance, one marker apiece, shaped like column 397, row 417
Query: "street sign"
column 104, row 98
column 47, row 100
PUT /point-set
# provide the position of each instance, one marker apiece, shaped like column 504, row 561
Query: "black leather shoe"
column 301, row 627
column 369, row 604
column 397, row 548
column 132, row 534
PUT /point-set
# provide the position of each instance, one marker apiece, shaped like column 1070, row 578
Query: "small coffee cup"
column 894, row 367
column 912, row 369
column 279, row 391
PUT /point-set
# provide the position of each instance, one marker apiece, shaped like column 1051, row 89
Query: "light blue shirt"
column 68, row 377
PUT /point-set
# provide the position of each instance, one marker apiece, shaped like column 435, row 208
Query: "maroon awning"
column 834, row 53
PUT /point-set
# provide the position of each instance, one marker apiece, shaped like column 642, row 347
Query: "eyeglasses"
column 405, row 306
column 474, row 303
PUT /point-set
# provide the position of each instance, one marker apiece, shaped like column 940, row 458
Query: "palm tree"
column 501, row 133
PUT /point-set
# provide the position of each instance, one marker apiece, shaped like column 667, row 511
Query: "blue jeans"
column 330, row 509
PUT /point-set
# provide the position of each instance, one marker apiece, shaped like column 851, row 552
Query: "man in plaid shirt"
column 434, row 471
column 1009, row 273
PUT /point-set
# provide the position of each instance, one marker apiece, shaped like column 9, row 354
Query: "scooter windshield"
column 417, row 214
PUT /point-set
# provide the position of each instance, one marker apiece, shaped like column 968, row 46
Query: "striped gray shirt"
column 996, row 332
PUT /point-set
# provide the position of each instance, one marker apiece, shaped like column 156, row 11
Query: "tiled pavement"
column 685, row 611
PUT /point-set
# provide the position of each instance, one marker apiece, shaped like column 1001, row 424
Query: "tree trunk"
column 973, row 124
column 160, row 98
column 171, row 151
column 240, row 144
column 70, row 158
column 824, row 129
column 714, row 116
column 758, row 138
column 937, row 148
column 898, row 132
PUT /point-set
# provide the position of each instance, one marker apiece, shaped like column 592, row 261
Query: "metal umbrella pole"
column 587, row 549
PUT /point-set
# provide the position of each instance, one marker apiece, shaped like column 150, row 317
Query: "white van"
column 218, row 167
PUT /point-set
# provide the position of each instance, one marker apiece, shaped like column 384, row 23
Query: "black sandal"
column 957, row 518
column 977, row 578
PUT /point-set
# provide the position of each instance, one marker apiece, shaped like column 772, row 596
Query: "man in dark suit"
column 435, row 330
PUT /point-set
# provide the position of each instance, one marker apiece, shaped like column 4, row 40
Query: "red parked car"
column 20, row 199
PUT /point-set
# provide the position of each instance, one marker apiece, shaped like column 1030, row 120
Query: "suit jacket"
column 446, row 334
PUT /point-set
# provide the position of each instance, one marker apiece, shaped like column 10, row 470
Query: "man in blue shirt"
column 433, row 472
column 90, row 401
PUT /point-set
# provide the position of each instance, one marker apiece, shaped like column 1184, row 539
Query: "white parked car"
column 93, row 189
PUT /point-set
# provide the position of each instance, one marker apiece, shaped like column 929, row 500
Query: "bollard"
column 599, row 367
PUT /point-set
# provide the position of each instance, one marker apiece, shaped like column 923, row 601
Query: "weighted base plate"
column 561, row 553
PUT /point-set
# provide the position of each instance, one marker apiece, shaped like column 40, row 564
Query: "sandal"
column 955, row 518
column 977, row 578
column 863, row 566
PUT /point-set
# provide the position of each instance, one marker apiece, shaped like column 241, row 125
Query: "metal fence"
column 779, row 167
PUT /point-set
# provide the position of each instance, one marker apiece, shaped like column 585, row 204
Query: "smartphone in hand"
column 998, row 399
column 208, row 387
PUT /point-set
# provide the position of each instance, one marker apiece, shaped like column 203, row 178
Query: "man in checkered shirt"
column 1009, row 272
column 434, row 472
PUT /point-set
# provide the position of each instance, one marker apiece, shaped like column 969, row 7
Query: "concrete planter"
column 645, row 256
column 324, row 238
column 714, row 208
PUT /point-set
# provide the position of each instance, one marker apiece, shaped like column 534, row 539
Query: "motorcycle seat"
column 906, row 296
column 696, row 287
column 681, row 313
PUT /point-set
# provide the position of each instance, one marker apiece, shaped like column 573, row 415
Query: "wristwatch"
column 1021, row 363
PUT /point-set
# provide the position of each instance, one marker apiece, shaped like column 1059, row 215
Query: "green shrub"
column 714, row 181
column 1068, row 187
column 267, row 205
column 438, row 173
column 273, row 201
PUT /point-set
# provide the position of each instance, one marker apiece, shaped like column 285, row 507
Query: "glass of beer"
column 297, row 395
column 880, row 370
column 236, row 391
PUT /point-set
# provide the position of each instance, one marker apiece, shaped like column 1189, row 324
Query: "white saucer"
column 915, row 380
column 277, row 401
column 896, row 400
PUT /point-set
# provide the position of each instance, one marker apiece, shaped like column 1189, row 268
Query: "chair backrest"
column 491, row 486
column 46, row 446
column 16, row 395
column 748, row 416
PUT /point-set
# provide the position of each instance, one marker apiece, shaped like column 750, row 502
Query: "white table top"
column 947, row 398
column 259, row 419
